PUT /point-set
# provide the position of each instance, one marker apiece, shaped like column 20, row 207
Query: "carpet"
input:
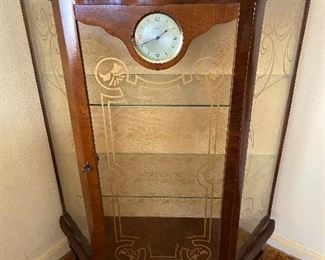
column 272, row 253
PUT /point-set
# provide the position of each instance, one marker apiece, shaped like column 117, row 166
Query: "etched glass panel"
column 49, row 71
column 160, row 138
column 278, row 49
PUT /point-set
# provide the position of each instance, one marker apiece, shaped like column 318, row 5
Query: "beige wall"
column 29, row 201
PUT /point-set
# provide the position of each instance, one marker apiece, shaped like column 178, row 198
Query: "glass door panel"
column 160, row 138
column 43, row 36
column 277, row 57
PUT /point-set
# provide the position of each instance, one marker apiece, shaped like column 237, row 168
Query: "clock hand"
column 163, row 32
column 157, row 37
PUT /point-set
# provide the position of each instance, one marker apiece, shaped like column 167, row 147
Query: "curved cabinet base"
column 252, row 249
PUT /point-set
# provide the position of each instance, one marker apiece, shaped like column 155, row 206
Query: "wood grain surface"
column 81, row 124
column 150, row 2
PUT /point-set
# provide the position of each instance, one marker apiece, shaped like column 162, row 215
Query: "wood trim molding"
column 120, row 20
column 81, row 123
column 151, row 2
column 295, row 249
column 248, row 41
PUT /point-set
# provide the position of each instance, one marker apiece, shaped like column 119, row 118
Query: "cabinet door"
column 160, row 138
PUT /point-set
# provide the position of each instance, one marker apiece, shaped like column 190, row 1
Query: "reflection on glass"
column 160, row 137
column 49, row 70
column 280, row 36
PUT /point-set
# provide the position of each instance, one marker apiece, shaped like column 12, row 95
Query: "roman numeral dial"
column 158, row 38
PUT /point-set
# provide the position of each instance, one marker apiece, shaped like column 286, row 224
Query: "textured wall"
column 300, row 196
column 29, row 201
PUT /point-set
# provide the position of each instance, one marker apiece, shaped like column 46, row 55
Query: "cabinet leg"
column 73, row 254
column 259, row 255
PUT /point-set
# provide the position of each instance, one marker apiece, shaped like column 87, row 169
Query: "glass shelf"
column 158, row 197
column 161, row 105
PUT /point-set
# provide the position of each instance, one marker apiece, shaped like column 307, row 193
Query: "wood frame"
column 251, row 15
column 151, row 2
column 81, row 123
column 248, row 42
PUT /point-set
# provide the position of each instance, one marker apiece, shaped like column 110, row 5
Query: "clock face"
column 158, row 38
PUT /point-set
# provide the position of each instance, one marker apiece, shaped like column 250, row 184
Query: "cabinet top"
column 150, row 2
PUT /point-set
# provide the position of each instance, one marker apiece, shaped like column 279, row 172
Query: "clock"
column 158, row 38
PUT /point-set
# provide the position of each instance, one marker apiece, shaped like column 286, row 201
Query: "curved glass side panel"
column 278, row 49
column 49, row 69
column 160, row 138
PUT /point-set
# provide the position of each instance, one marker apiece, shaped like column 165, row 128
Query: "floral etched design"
column 199, row 253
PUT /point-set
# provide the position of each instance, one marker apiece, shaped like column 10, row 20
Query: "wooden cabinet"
column 166, row 158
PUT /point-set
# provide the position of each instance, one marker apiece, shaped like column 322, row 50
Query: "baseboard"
column 295, row 249
column 56, row 251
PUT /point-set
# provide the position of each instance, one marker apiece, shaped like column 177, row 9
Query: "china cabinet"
column 166, row 120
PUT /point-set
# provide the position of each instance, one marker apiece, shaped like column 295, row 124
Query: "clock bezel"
column 180, row 42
